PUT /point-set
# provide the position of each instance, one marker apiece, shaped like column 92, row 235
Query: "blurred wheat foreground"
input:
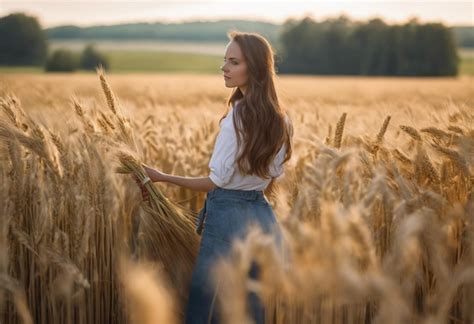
column 376, row 206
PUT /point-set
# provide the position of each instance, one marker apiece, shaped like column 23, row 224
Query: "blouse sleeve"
column 222, row 163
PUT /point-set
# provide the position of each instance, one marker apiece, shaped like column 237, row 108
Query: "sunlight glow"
column 58, row 12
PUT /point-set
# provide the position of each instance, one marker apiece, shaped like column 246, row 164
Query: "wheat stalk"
column 411, row 131
column 383, row 129
column 339, row 130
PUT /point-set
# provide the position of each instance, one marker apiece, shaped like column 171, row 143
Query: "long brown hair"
column 259, row 119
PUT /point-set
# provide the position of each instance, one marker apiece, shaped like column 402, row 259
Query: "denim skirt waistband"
column 234, row 193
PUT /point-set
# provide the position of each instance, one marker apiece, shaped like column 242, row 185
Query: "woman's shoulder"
column 227, row 124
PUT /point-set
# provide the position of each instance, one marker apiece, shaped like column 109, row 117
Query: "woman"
column 253, row 144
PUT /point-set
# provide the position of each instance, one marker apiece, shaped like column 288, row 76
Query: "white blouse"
column 224, row 171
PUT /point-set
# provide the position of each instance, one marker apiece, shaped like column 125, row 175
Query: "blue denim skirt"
column 225, row 217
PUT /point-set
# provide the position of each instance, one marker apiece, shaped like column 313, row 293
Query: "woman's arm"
column 194, row 183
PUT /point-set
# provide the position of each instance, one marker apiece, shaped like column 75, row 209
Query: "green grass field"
column 466, row 67
column 143, row 61
column 148, row 61
column 20, row 69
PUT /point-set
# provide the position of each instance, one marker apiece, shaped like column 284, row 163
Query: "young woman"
column 250, row 150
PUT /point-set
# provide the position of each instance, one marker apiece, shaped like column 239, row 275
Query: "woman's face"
column 234, row 67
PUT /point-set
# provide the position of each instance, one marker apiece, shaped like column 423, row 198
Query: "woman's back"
column 223, row 167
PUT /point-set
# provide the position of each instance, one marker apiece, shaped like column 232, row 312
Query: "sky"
column 92, row 12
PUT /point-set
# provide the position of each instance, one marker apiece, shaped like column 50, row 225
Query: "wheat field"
column 376, row 204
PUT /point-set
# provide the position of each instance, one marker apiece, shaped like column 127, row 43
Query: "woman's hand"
column 145, row 194
column 154, row 175
column 194, row 183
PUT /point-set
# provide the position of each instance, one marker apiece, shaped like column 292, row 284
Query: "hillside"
column 209, row 31
column 189, row 31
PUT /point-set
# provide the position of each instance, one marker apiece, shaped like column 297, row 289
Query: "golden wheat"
column 376, row 229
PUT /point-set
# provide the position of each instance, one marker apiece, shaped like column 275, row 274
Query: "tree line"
column 334, row 46
column 211, row 31
column 340, row 46
column 197, row 31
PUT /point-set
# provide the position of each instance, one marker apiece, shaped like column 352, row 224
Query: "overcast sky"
column 90, row 12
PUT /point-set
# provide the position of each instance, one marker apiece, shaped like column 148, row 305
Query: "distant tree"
column 334, row 45
column 91, row 58
column 311, row 47
column 299, row 40
column 62, row 60
column 427, row 50
column 371, row 47
column 439, row 55
column 22, row 40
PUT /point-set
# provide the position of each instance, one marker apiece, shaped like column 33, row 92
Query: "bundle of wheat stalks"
column 166, row 232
